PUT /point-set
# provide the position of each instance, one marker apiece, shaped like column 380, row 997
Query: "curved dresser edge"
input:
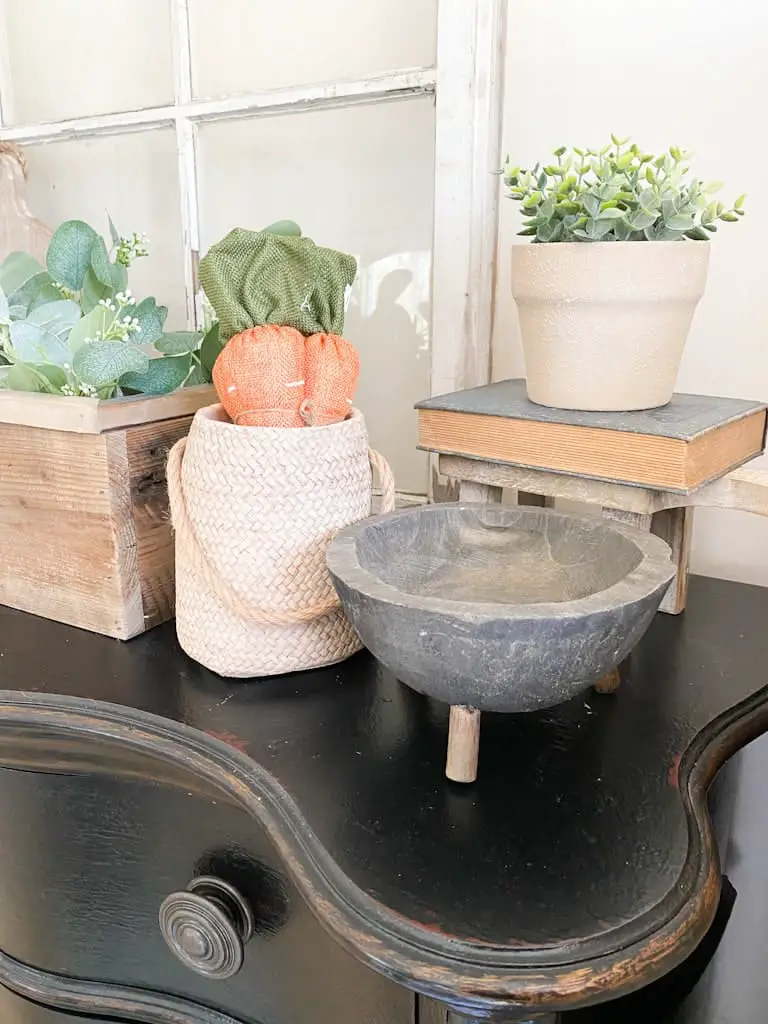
column 74, row 995
column 472, row 978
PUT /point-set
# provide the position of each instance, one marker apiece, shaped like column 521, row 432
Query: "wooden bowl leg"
column 608, row 683
column 463, row 743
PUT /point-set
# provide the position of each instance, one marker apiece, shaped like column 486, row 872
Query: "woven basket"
column 254, row 509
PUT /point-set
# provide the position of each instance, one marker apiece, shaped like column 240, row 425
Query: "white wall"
column 669, row 72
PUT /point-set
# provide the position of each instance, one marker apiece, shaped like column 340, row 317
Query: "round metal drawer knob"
column 207, row 927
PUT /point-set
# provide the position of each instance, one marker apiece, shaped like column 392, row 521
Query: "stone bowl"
column 498, row 608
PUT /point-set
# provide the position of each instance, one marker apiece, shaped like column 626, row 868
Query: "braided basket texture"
column 253, row 509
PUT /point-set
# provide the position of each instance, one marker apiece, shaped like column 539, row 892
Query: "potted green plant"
column 603, row 318
column 73, row 328
column 93, row 394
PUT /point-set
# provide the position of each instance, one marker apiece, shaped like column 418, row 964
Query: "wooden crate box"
column 86, row 535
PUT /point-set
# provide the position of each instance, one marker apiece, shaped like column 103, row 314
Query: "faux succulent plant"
column 617, row 193
column 74, row 328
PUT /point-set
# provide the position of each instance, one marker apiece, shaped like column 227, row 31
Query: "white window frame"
column 467, row 83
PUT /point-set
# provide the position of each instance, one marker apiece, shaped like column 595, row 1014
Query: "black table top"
column 580, row 865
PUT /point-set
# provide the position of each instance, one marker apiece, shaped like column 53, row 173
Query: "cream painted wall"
column 674, row 72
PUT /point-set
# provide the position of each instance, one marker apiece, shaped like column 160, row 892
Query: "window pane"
column 134, row 178
column 248, row 45
column 82, row 57
column 360, row 180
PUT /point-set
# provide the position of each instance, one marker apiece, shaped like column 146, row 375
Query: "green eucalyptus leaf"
column 114, row 234
column 739, row 204
column 151, row 319
column 161, row 376
column 55, row 375
column 110, row 275
column 698, row 234
column 730, row 217
column 179, row 342
column 5, row 371
column 36, row 291
column 34, row 344
column 94, row 291
column 5, row 313
column 16, row 269
column 69, row 253
column 197, row 376
column 209, row 349
column 97, row 322
column 57, row 317
column 100, row 363
column 527, row 231
column 24, row 378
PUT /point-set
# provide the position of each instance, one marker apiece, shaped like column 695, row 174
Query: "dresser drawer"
column 15, row 1010
column 86, row 862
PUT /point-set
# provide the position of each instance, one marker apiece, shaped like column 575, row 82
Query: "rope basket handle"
column 229, row 597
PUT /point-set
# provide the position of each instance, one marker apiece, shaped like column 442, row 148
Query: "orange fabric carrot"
column 259, row 377
column 332, row 367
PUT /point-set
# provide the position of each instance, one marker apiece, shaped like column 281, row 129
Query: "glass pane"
column 248, row 45
column 360, row 180
column 134, row 177
column 82, row 57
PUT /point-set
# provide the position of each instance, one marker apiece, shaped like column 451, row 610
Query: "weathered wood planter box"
column 84, row 526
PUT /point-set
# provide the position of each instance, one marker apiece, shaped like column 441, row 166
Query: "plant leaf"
column 69, row 253
column 114, row 234
column 210, row 348
column 16, row 269
column 680, row 222
column 100, row 363
column 23, row 378
column 93, row 291
column 151, row 319
column 611, row 213
column 34, row 292
column 99, row 320
column 57, row 317
column 110, row 275
column 197, row 376
column 160, row 377
column 641, row 219
column 5, row 313
column 179, row 342
column 33, row 344
column 591, row 204
column 55, row 376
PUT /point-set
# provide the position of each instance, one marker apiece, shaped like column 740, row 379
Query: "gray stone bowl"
column 498, row 608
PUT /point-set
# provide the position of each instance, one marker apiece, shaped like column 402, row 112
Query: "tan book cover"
column 679, row 447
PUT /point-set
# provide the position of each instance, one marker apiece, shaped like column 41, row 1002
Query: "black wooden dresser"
column 180, row 849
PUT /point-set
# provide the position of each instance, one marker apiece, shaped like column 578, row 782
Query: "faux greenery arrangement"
column 617, row 193
column 74, row 328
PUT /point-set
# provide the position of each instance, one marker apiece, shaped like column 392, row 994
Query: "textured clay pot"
column 604, row 324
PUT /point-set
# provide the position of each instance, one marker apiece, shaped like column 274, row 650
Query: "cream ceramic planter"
column 604, row 324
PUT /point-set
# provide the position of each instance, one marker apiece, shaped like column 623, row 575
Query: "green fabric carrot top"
column 263, row 277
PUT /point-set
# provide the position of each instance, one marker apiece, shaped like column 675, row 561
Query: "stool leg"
column 486, row 493
column 675, row 526
column 463, row 743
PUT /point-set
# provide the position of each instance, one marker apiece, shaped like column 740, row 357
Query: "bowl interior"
column 494, row 554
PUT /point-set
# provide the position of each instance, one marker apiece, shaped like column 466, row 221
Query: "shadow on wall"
column 388, row 321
